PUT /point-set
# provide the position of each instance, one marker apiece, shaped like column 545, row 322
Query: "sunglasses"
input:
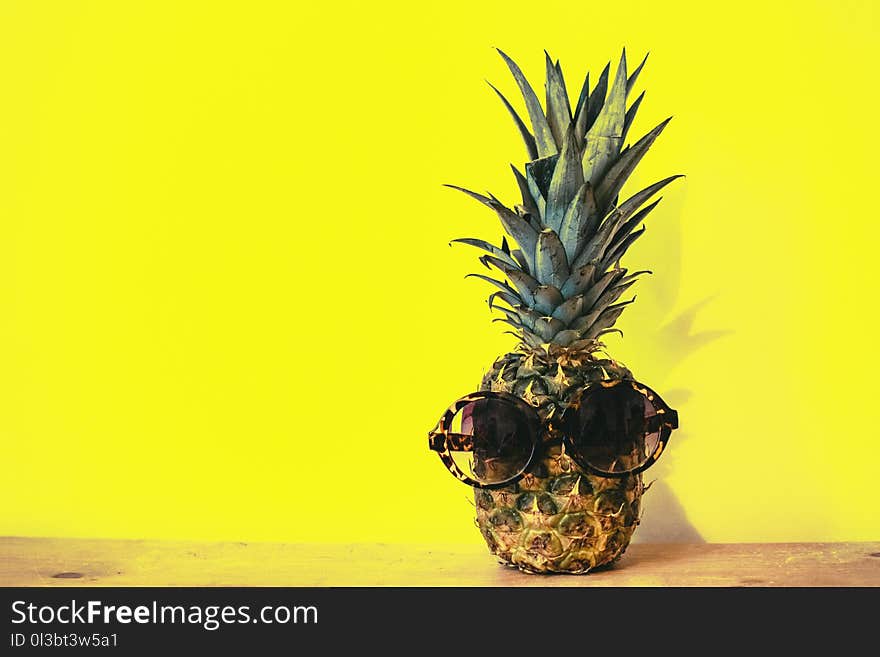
column 610, row 429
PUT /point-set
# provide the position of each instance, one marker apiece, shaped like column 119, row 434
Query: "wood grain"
column 81, row 562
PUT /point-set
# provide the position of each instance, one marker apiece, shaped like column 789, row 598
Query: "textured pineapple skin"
column 557, row 518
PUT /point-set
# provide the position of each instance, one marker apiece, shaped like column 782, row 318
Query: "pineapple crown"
column 562, row 284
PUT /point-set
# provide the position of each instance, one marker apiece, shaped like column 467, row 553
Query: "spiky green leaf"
column 501, row 285
column 570, row 310
column 510, row 313
column 541, row 171
column 519, row 229
column 606, row 319
column 562, row 81
column 583, row 323
column 528, row 201
column 619, row 218
column 579, row 280
column 580, row 112
column 547, row 298
column 485, row 246
column 525, row 285
column 618, row 173
column 634, row 276
column 596, row 98
column 578, row 221
column 531, row 339
column 551, row 263
column 548, row 327
column 528, row 316
column 631, row 81
column 527, row 136
column 521, row 261
column 541, row 129
column 612, row 294
column 616, row 253
column 499, row 264
column 536, row 193
column 567, row 179
column 566, row 338
column 508, row 298
column 485, row 200
column 630, row 225
column 635, row 201
column 606, row 280
column 599, row 243
column 630, row 116
column 525, row 319
column 558, row 111
column 515, row 324
column 604, row 138
column 609, row 330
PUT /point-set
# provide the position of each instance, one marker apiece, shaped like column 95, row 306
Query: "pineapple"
column 559, row 289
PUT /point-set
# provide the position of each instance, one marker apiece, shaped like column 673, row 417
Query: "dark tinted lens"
column 502, row 440
column 612, row 430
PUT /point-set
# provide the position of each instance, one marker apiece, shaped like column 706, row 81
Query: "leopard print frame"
column 444, row 441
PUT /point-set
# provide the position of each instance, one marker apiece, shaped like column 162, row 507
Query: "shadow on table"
column 665, row 520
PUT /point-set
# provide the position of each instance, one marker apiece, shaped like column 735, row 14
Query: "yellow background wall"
column 227, row 305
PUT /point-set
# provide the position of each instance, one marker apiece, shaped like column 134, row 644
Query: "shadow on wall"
column 664, row 519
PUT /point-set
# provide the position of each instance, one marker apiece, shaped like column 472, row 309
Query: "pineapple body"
column 557, row 518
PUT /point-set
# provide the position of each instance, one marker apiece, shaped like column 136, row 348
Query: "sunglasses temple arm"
column 453, row 442
column 655, row 422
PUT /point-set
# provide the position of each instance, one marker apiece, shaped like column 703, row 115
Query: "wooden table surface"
column 80, row 562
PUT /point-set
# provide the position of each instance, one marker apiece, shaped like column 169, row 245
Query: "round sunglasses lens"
column 502, row 440
column 611, row 430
